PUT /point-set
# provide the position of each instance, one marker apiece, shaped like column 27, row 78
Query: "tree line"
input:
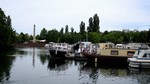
column 124, row 36
column 66, row 34
column 8, row 36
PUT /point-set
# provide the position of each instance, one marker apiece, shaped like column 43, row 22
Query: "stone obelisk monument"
column 34, row 40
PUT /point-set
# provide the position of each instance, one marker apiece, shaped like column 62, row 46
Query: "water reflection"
column 5, row 67
column 101, row 73
column 20, row 52
column 35, row 67
column 57, row 64
column 142, row 75
column 42, row 53
column 89, row 72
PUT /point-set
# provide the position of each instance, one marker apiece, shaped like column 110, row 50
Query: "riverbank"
column 30, row 44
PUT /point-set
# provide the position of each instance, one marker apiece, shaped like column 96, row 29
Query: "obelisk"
column 34, row 34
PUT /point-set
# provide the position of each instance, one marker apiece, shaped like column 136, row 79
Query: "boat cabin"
column 106, row 45
column 141, row 59
column 136, row 46
column 60, row 46
column 142, row 54
column 120, row 46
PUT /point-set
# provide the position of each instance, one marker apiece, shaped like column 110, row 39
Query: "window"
column 114, row 52
column 145, row 55
column 148, row 55
column 110, row 46
column 130, row 53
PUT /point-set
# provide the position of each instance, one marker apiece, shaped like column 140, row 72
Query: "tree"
column 82, row 31
column 72, row 30
column 82, row 27
column 62, row 31
column 22, row 37
column 7, row 34
column 30, row 37
column 148, row 35
column 53, row 36
column 90, row 27
column 142, row 37
column 96, row 26
column 37, row 37
column 94, row 37
column 66, row 29
column 43, row 34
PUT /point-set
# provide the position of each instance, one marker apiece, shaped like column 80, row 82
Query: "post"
column 96, row 53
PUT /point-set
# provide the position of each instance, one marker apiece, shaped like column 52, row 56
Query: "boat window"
column 148, row 55
column 63, row 44
column 130, row 53
column 110, row 46
column 144, row 55
column 114, row 52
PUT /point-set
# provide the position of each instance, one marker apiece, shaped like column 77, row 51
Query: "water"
column 32, row 66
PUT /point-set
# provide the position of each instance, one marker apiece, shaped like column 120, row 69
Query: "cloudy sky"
column 50, row 14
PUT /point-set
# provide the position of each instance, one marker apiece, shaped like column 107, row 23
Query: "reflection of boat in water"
column 141, row 75
column 101, row 72
column 141, row 59
column 138, row 71
column 57, row 64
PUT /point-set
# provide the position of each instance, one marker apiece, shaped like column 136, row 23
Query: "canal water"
column 33, row 66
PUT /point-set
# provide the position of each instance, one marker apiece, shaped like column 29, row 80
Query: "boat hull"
column 103, row 58
column 55, row 53
column 139, row 64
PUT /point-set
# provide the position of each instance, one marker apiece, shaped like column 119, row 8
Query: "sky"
column 55, row 14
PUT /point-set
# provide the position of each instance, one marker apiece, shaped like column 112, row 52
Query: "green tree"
column 82, row 31
column 62, row 31
column 7, row 34
column 135, row 36
column 30, row 37
column 90, row 27
column 37, row 37
column 82, row 27
column 72, row 30
column 148, row 35
column 142, row 37
column 105, row 32
column 43, row 34
column 96, row 21
column 66, row 29
column 76, row 37
column 22, row 37
column 94, row 24
column 94, row 37
column 53, row 36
